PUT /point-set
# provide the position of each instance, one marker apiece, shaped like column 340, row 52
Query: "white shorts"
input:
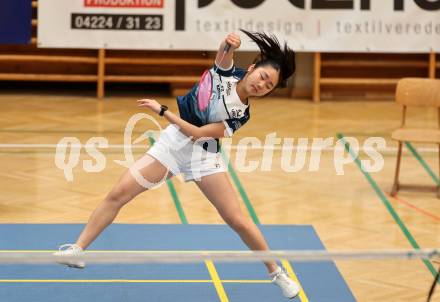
column 179, row 154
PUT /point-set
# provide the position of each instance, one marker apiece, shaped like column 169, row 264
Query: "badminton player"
column 216, row 107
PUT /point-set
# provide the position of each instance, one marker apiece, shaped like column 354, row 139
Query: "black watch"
column 163, row 108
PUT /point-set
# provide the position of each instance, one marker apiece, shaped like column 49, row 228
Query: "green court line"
column 241, row 190
column 422, row 162
column 222, row 294
column 209, row 264
column 173, row 193
column 177, row 202
column 302, row 294
column 386, row 202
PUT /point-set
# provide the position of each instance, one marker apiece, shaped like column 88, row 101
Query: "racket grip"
column 227, row 47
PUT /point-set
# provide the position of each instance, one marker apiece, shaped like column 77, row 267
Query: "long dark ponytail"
column 282, row 58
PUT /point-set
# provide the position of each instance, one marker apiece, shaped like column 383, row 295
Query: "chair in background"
column 416, row 92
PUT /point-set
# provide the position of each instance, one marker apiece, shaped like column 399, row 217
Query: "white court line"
column 232, row 147
column 30, row 146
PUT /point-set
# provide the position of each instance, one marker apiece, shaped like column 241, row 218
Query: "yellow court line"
column 291, row 273
column 137, row 251
column 217, row 282
column 246, row 281
column 123, row 281
column 99, row 281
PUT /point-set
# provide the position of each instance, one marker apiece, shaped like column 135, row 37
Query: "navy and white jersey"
column 224, row 105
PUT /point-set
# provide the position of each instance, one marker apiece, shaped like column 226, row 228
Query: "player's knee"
column 118, row 196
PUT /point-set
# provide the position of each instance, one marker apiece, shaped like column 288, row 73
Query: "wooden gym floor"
column 345, row 210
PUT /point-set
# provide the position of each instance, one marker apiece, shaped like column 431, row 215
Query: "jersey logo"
column 220, row 89
column 228, row 88
column 236, row 113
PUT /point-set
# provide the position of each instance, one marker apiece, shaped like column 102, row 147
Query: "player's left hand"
column 151, row 104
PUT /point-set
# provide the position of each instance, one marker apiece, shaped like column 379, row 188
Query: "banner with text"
column 307, row 25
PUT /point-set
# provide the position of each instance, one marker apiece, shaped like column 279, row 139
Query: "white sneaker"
column 70, row 251
column 289, row 287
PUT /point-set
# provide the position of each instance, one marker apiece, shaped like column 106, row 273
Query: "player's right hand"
column 234, row 40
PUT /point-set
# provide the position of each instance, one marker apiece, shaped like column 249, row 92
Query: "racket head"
column 204, row 91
